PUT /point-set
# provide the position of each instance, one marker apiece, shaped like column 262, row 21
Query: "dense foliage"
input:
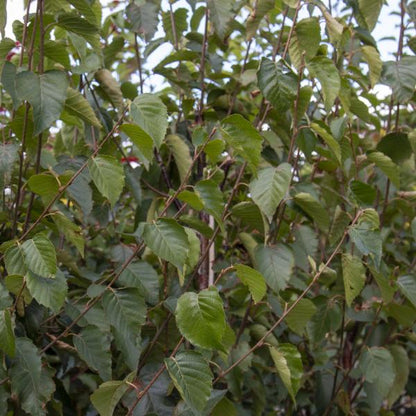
column 206, row 209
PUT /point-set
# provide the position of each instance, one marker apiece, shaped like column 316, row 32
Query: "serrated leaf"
column 327, row 74
column 275, row 263
column 370, row 9
column 149, row 112
column 141, row 140
column 180, row 152
column 375, row 64
column 220, row 14
column 363, row 192
column 407, row 285
column 8, row 79
column 200, row 318
column 168, row 240
column 386, row 165
column 401, row 77
column 77, row 105
column 212, row 198
column 396, row 146
column 402, row 367
column 353, row 274
column 262, row 7
column 71, row 231
column 377, row 366
column 328, row 139
column 333, row 27
column 40, row 256
column 177, row 18
column 144, row 18
column 108, row 394
column 7, row 340
column 110, row 86
column 125, row 310
column 192, row 199
column 108, row 176
column 288, row 362
column 387, row 290
column 243, row 138
column 300, row 315
column 32, row 385
column 253, row 280
column 46, row 93
column 44, row 185
column 277, row 84
column 48, row 292
column 367, row 240
column 93, row 347
column 270, row 187
column 313, row 209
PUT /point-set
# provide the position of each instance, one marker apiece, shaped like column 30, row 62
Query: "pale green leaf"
column 386, row 165
column 192, row 377
column 407, row 285
column 313, row 209
column 212, row 198
column 220, row 14
column 327, row 74
column 328, row 139
column 8, row 79
column 143, row 18
column 3, row 17
column 46, row 93
column 402, row 367
column 367, row 240
column 48, row 292
column 288, row 362
column 270, row 187
column 353, row 274
column 180, row 152
column 5, row 298
column 192, row 199
column 43, row 184
column 167, row 239
column 370, row 9
column 149, row 112
column 253, row 280
column 40, row 256
column 375, row 64
column 275, row 263
column 243, row 138
column 200, row 318
column 108, row 176
column 77, row 105
column 93, row 347
column 262, row 7
column 14, row 259
column 8, row 156
column 110, row 86
column 300, row 315
column 141, row 140
column 7, row 340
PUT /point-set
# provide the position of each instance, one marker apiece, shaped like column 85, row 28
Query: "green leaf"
column 262, row 7
column 277, row 84
column 3, row 17
column 328, row 139
column 377, row 366
column 110, row 86
column 370, row 9
column 402, row 367
column 141, row 140
column 401, row 77
column 200, row 318
column 167, row 239
column 7, row 340
column 70, row 230
column 44, row 185
column 383, row 282
column 46, row 93
column 327, row 318
column 192, row 199
column 367, row 240
column 8, row 79
column 29, row 382
column 250, row 215
column 288, row 362
column 125, row 310
column 108, row 176
column 270, row 187
column 243, row 138
column 192, row 377
column 107, row 396
column 149, row 112
column 253, row 280
column 386, row 165
column 363, row 192
column 305, row 40
column 325, row 70
column 142, row 276
column 375, row 64
column 212, row 198
column 83, row 7
column 93, row 347
column 144, row 18
column 275, row 264
column 48, row 292
column 333, row 27
column 396, row 146
column 300, row 315
column 220, row 12
column 177, row 18
column 353, row 274
column 40, row 256
column 407, row 285
column 313, row 209
column 5, row 299
column 14, row 259
column 180, row 152
column 8, row 156
column 78, row 106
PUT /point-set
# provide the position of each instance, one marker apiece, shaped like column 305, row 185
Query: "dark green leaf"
column 141, row 140
column 212, row 198
column 353, row 273
column 220, row 14
column 78, row 106
column 300, row 315
column 313, row 209
column 386, row 165
column 396, row 146
column 180, row 152
column 7, row 341
column 143, row 18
